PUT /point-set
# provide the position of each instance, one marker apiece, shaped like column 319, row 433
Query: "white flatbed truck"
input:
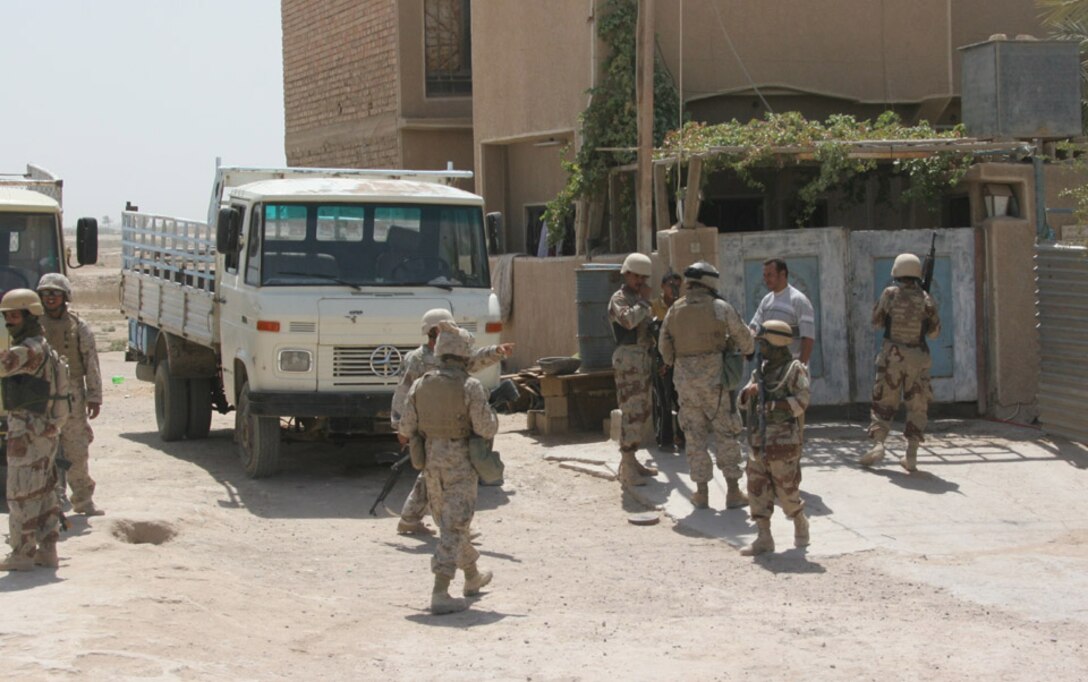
column 297, row 301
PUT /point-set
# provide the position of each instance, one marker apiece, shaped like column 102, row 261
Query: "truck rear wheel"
column 171, row 404
column 200, row 409
column 258, row 439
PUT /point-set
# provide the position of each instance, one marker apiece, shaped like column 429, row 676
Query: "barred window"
column 446, row 30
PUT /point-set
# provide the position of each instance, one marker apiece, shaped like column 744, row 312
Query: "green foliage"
column 611, row 120
column 773, row 140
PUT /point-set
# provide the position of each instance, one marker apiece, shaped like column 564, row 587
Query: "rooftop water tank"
column 1021, row 89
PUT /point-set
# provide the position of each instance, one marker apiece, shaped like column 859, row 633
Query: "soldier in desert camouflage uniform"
column 630, row 313
column 774, row 468
column 32, row 385
column 696, row 330
column 416, row 364
column 73, row 339
column 445, row 408
column 907, row 314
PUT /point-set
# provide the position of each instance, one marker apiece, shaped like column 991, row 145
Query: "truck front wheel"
column 171, row 404
column 258, row 439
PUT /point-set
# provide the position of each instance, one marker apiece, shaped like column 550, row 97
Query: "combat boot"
column 47, row 554
column 413, row 528
column 87, row 509
column 763, row 543
column 628, row 475
column 910, row 460
column 875, row 454
column 475, row 580
column 640, row 469
column 800, row 530
column 734, row 496
column 17, row 562
column 441, row 601
column 700, row 499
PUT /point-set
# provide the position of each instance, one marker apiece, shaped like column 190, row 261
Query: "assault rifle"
column 931, row 260
column 394, row 473
column 761, row 405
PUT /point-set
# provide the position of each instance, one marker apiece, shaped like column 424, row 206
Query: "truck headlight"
column 295, row 360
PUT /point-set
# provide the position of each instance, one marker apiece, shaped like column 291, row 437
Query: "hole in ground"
column 143, row 532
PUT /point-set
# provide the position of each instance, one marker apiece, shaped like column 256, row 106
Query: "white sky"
column 134, row 99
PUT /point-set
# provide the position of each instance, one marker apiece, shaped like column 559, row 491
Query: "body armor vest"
column 695, row 329
column 624, row 336
column 440, row 404
column 63, row 335
column 906, row 318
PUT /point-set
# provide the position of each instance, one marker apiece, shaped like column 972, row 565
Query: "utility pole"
column 644, row 85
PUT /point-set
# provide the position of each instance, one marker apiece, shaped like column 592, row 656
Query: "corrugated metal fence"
column 1061, row 308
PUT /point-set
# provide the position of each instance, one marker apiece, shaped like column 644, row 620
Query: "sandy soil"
column 197, row 573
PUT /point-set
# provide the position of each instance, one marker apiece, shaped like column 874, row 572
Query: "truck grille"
column 368, row 361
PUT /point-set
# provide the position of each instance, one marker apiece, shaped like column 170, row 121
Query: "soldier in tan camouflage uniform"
column 445, row 408
column 73, row 339
column 907, row 314
column 416, row 364
column 33, row 379
column 630, row 313
column 774, row 468
column 696, row 330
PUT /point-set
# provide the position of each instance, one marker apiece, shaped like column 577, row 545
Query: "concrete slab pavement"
column 997, row 512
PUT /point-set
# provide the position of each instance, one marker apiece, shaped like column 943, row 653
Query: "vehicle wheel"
column 200, row 409
column 171, row 404
column 258, row 439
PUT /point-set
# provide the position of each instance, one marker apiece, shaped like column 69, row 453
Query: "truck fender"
column 185, row 359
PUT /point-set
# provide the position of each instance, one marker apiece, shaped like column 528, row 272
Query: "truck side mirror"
column 495, row 232
column 227, row 231
column 87, row 241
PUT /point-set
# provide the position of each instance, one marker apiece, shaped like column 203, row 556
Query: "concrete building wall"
column 340, row 82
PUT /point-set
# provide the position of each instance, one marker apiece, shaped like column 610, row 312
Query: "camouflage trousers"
column 632, row 365
column 451, row 486
column 415, row 505
column 33, row 512
column 778, row 477
column 703, row 413
column 75, row 440
column 902, row 375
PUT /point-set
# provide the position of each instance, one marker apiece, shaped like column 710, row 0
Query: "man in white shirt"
column 786, row 303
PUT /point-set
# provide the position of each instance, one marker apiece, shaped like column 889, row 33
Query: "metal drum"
column 594, row 285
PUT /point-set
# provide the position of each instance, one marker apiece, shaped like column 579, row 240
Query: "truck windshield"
column 28, row 249
column 368, row 245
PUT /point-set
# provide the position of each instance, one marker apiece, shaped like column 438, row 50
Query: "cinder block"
column 553, row 426
column 534, row 419
column 556, row 407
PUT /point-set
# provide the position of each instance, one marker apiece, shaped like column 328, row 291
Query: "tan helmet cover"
column 432, row 317
column 452, row 340
column 22, row 299
column 776, row 333
column 907, row 265
column 55, row 280
column 638, row 263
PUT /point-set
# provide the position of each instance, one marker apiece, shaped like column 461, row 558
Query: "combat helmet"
column 22, row 299
column 907, row 265
column 57, row 281
column 776, row 333
column 432, row 317
column 701, row 272
column 638, row 263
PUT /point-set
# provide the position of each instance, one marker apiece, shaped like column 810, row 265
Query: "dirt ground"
column 198, row 573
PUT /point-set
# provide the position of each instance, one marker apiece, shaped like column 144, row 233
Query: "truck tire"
column 258, row 439
column 200, row 409
column 171, row 404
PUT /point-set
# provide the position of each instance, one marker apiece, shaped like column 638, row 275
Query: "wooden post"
column 644, row 78
column 691, row 196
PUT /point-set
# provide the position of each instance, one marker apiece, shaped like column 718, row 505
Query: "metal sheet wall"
column 1061, row 310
